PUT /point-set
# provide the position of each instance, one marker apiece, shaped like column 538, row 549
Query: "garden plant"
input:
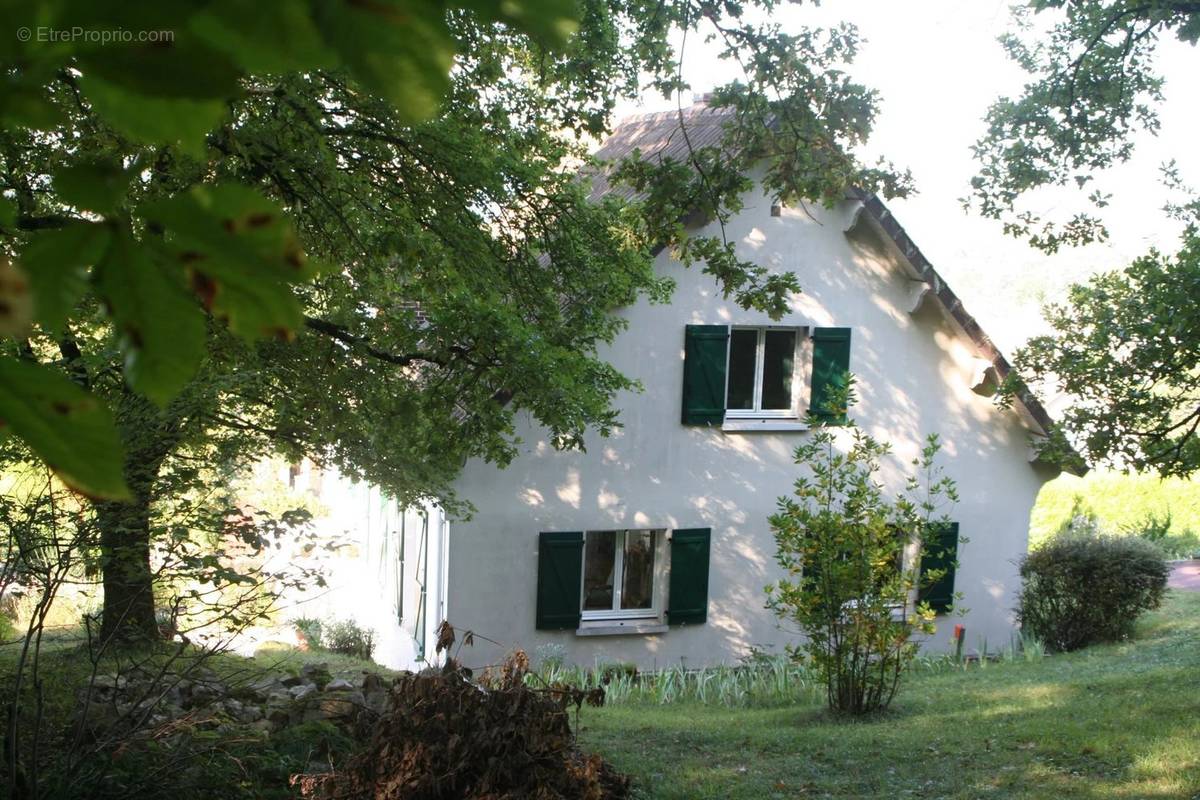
column 1083, row 587
column 853, row 559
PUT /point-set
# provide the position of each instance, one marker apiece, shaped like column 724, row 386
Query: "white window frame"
column 655, row 610
column 757, row 412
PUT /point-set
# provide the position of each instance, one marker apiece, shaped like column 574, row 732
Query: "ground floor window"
column 627, row 574
column 618, row 573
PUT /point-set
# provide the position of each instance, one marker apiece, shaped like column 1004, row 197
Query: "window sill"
column 616, row 627
column 762, row 425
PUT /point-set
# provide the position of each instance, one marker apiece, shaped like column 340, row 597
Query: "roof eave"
column 873, row 211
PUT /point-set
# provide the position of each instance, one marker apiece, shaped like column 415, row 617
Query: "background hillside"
column 1118, row 501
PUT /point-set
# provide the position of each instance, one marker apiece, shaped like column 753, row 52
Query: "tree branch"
column 343, row 335
column 73, row 356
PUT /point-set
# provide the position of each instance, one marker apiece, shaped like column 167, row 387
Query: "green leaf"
column 402, row 51
column 159, row 327
column 93, row 185
column 16, row 304
column 155, row 120
column 68, row 428
column 25, row 106
column 181, row 69
column 8, row 213
column 1189, row 31
column 551, row 21
column 264, row 37
column 56, row 263
column 242, row 254
column 24, row 100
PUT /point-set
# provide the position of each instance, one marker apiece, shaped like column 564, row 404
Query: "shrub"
column 310, row 629
column 842, row 543
column 1152, row 528
column 347, row 638
column 337, row 636
column 1080, row 588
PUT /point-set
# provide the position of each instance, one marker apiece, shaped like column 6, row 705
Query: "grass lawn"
column 285, row 659
column 1119, row 721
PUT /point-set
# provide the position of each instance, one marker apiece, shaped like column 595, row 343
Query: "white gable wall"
column 914, row 374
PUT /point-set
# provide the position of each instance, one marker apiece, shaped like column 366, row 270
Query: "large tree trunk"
column 125, row 561
column 149, row 434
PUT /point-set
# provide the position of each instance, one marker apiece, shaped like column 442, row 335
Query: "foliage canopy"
column 298, row 230
column 1124, row 345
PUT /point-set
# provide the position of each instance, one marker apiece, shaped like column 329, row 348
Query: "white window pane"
column 599, row 561
column 743, row 352
column 637, row 586
column 779, row 353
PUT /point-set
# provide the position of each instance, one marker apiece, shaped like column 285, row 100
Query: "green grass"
column 1119, row 721
column 1118, row 500
column 281, row 658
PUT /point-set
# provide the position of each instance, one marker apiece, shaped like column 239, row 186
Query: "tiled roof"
column 887, row 223
column 659, row 136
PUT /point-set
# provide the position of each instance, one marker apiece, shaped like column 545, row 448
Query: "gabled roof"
column 660, row 136
column 886, row 223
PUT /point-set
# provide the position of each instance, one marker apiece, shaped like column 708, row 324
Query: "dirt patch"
column 1186, row 576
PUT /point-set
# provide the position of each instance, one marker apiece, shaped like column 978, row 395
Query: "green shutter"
column 559, row 581
column 831, row 362
column 688, row 592
column 940, row 552
column 705, row 348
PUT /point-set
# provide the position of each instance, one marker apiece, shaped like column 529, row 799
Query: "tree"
column 474, row 275
column 853, row 562
column 1125, row 344
column 150, row 85
column 1126, row 349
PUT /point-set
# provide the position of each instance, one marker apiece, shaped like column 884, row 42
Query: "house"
column 652, row 546
column 382, row 565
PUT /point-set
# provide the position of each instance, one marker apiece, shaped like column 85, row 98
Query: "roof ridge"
column 695, row 109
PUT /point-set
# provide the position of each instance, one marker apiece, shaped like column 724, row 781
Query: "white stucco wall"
column 383, row 566
column 387, row 575
column 914, row 374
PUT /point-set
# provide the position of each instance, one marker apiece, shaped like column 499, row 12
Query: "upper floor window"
column 761, row 372
column 764, row 378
